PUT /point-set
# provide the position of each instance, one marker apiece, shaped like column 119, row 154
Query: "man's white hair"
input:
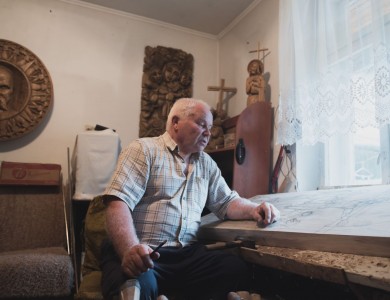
column 183, row 108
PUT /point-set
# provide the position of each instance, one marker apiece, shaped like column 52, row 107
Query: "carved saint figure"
column 255, row 83
column 185, row 79
column 151, row 82
column 153, row 78
column 6, row 88
column 216, row 132
column 171, row 74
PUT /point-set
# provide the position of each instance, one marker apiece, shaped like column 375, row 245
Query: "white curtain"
column 334, row 68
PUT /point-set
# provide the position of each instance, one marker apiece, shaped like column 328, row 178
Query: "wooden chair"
column 35, row 260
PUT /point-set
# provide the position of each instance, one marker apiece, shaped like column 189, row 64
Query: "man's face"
column 6, row 88
column 194, row 131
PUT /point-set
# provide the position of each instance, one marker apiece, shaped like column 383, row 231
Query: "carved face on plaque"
column 14, row 91
column 156, row 75
column 171, row 72
column 6, row 88
column 25, row 91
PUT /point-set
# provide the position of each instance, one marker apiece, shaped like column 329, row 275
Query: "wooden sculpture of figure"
column 171, row 78
column 151, row 81
column 255, row 83
column 167, row 76
column 216, row 133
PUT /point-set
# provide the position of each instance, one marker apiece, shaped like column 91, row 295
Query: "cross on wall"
column 258, row 50
column 222, row 89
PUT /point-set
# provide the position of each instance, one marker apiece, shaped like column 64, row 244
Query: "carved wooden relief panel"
column 26, row 91
column 167, row 76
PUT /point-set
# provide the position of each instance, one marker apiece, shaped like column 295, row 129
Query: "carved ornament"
column 167, row 76
column 26, row 91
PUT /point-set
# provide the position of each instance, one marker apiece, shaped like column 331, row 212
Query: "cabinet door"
column 253, row 135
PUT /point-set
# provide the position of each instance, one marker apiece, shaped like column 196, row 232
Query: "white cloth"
column 94, row 161
column 334, row 68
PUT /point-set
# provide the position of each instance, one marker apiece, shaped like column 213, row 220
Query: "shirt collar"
column 169, row 142
column 173, row 147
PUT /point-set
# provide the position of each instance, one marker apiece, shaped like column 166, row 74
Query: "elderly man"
column 157, row 193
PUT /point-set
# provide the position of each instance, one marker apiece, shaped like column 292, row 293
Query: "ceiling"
column 206, row 16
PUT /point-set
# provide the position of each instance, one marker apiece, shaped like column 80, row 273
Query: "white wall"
column 95, row 59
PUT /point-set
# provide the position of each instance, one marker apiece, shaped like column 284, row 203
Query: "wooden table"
column 341, row 236
column 338, row 268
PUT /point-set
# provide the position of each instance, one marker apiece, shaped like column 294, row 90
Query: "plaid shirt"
column 165, row 203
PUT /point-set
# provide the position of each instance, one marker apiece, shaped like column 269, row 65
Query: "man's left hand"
column 266, row 213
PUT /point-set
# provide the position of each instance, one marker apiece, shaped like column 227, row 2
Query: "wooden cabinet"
column 247, row 166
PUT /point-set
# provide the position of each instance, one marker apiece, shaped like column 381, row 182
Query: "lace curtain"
column 334, row 68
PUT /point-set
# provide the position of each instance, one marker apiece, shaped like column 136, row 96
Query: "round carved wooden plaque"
column 26, row 91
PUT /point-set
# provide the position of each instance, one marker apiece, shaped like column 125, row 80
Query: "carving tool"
column 239, row 242
column 158, row 247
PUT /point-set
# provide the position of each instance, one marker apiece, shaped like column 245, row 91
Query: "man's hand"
column 244, row 209
column 138, row 260
column 266, row 213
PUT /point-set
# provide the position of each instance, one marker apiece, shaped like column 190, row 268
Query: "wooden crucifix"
column 258, row 50
column 222, row 89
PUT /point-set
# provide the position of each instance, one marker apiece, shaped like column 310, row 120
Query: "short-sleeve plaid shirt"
column 165, row 203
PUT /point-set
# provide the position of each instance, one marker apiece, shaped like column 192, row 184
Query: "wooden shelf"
column 221, row 150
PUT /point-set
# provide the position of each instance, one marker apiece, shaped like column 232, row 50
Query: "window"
column 334, row 101
column 355, row 158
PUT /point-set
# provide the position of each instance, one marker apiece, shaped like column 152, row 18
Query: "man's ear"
column 175, row 120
